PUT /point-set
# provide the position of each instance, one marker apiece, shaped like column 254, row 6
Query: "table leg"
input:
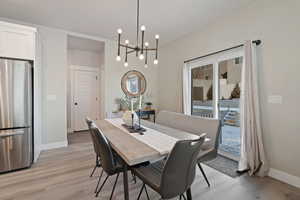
column 125, row 182
column 189, row 194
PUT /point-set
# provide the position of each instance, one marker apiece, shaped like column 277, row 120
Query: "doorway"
column 85, row 95
column 215, row 93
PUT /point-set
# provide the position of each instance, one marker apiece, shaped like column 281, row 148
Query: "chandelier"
column 141, row 49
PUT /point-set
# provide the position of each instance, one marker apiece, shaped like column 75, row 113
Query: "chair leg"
column 97, row 165
column 143, row 187
column 93, row 171
column 114, row 187
column 147, row 192
column 189, row 194
column 102, row 186
column 141, row 191
column 182, row 195
column 133, row 177
column 98, row 181
column 203, row 173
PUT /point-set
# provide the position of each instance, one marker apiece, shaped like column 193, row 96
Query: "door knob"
column 76, row 103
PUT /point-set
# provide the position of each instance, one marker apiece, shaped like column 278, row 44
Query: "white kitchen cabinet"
column 17, row 41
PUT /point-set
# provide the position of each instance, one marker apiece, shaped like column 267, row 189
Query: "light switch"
column 275, row 99
column 51, row 97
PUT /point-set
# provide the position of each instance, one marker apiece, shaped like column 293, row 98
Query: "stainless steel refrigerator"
column 16, row 124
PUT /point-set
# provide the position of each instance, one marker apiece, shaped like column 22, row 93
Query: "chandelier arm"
column 119, row 43
column 132, row 51
column 156, row 52
column 142, row 45
column 126, row 50
column 149, row 49
column 129, row 47
column 137, row 22
column 146, row 59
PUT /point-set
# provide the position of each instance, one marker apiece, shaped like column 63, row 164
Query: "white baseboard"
column 70, row 130
column 53, row 145
column 37, row 153
column 285, row 177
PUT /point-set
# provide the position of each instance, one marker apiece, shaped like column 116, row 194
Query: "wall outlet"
column 275, row 99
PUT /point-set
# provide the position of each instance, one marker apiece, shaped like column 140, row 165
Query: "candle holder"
column 139, row 118
column 135, row 128
column 132, row 121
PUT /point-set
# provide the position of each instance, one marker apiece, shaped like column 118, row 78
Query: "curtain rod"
column 257, row 42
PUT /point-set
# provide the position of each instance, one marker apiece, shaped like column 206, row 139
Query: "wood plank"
column 129, row 148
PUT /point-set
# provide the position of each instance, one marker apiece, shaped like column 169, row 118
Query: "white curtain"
column 252, row 150
column 186, row 92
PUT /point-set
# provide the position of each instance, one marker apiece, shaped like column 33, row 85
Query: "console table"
column 146, row 114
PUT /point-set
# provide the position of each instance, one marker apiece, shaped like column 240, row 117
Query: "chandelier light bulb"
column 119, row 31
column 155, row 62
column 143, row 28
column 146, row 66
column 126, row 64
column 118, row 58
column 142, row 57
column 146, row 44
column 157, row 37
column 126, row 41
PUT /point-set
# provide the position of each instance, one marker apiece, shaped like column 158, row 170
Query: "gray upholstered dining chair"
column 168, row 179
column 97, row 152
column 110, row 163
column 195, row 125
column 209, row 152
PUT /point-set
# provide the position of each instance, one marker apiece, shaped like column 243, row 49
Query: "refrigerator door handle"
column 14, row 133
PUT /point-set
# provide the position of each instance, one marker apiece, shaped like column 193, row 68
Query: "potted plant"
column 148, row 105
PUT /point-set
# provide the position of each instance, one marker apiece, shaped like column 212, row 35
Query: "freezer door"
column 15, row 149
column 15, row 93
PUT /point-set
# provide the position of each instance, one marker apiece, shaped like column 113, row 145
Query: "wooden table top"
column 130, row 149
column 134, row 150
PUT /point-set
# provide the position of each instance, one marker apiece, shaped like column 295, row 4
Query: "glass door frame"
column 213, row 60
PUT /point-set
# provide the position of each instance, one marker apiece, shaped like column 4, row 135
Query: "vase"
column 127, row 118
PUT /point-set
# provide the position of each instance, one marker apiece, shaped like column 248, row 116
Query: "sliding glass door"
column 202, row 91
column 230, row 72
column 214, row 88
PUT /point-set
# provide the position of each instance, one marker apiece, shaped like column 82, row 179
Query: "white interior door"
column 85, row 98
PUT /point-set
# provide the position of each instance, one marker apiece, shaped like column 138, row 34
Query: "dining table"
column 136, row 148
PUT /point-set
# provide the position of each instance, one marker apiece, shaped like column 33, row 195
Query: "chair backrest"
column 89, row 123
column 192, row 124
column 179, row 171
column 106, row 154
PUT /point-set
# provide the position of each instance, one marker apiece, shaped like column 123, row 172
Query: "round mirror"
column 133, row 83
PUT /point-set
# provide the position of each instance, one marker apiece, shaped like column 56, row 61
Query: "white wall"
column 54, row 85
column 85, row 58
column 277, row 24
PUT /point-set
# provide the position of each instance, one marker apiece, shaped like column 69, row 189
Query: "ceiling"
column 170, row 19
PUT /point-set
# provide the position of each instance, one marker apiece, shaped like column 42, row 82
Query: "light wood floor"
column 63, row 174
